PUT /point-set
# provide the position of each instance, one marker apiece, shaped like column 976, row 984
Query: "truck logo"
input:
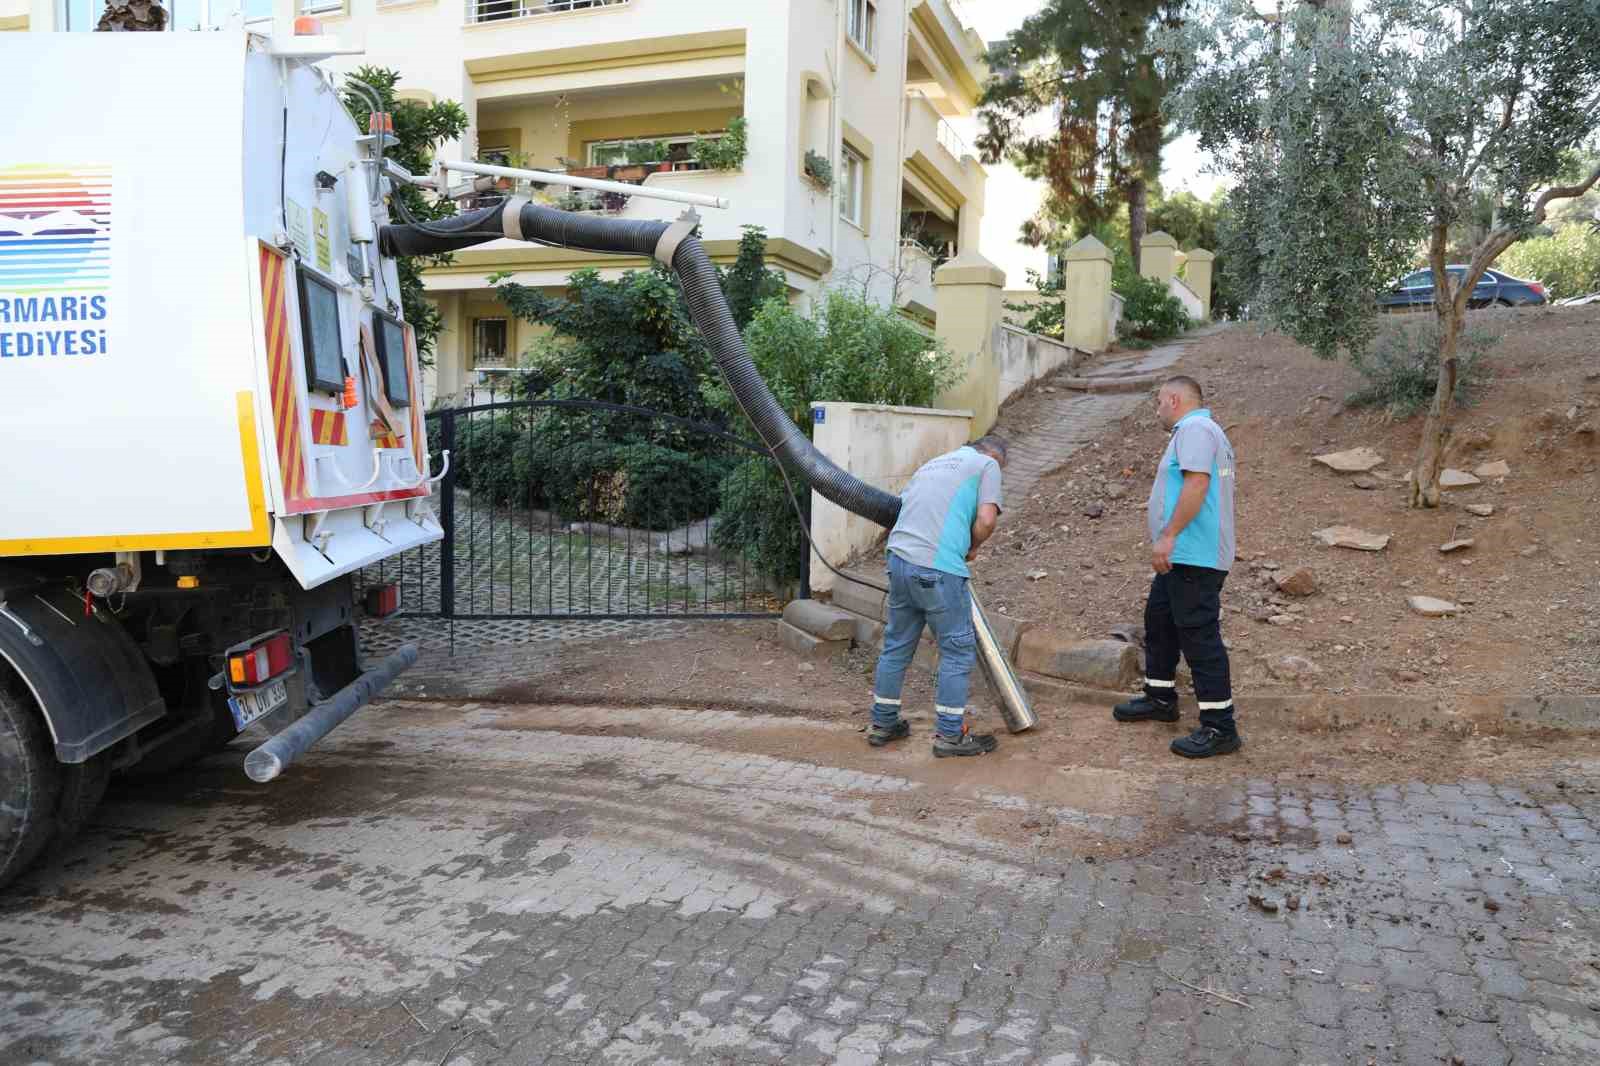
column 55, row 260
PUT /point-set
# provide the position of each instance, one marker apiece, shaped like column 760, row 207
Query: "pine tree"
column 1104, row 71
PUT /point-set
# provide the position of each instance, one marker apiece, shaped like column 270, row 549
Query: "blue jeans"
column 921, row 596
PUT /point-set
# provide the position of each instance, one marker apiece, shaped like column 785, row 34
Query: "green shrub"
column 1402, row 368
column 757, row 519
column 1149, row 310
column 645, row 486
column 1567, row 262
column 1047, row 317
column 852, row 351
column 726, row 152
column 485, row 454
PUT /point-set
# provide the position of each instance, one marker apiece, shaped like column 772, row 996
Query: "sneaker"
column 879, row 735
column 1206, row 742
column 1144, row 709
column 966, row 744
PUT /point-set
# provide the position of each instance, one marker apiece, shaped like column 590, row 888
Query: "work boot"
column 1206, row 742
column 1143, row 708
column 880, row 735
column 966, row 744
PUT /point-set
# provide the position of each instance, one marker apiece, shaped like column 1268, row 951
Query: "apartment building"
column 606, row 86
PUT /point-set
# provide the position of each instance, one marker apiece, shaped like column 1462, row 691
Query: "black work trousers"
column 1184, row 616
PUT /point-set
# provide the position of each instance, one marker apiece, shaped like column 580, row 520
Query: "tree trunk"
column 133, row 16
column 1425, row 490
column 1137, row 213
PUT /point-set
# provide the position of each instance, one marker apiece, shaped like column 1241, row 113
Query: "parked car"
column 1415, row 290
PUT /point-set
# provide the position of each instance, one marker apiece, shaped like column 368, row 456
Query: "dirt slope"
column 1530, row 620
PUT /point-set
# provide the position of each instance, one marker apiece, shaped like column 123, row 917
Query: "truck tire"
column 82, row 788
column 30, row 783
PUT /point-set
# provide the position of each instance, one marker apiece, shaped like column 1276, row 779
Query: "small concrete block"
column 868, row 634
column 1108, row 664
column 859, row 599
column 820, row 620
column 1008, row 632
column 807, row 646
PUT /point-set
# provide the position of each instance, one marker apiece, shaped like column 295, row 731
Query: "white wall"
column 882, row 446
column 1026, row 357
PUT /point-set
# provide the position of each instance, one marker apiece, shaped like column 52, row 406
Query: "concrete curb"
column 1310, row 711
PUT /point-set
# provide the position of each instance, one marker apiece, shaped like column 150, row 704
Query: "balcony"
column 516, row 47
column 938, row 161
column 507, row 10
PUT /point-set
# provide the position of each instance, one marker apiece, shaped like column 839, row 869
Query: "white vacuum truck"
column 210, row 409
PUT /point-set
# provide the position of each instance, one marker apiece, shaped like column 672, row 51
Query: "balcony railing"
column 503, row 10
column 947, row 136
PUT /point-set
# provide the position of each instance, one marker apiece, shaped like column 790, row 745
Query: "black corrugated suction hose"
column 565, row 229
column 715, row 321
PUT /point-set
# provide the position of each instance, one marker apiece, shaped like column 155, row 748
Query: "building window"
column 676, row 148
column 864, row 25
column 852, row 185
column 488, row 342
column 321, row 7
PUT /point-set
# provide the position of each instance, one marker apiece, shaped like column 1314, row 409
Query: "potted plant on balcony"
column 819, row 170
column 643, row 158
column 725, row 152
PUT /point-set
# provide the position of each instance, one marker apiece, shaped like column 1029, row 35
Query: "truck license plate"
column 248, row 706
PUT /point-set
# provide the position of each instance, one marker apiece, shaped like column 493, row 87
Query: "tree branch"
column 1505, row 124
column 1562, row 192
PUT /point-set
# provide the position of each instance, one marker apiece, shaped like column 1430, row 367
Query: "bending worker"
column 948, row 510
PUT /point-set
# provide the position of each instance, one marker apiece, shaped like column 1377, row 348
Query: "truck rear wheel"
column 30, row 782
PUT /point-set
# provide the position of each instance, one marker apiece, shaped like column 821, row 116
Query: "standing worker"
column 1191, row 533
column 947, row 511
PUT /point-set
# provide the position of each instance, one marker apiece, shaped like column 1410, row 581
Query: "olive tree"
column 1360, row 133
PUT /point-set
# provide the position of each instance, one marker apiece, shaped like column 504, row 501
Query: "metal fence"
column 579, row 509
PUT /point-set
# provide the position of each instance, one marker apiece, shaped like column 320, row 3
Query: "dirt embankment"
column 1529, row 618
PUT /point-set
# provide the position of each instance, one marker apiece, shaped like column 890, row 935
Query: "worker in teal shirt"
column 1190, row 517
column 950, row 508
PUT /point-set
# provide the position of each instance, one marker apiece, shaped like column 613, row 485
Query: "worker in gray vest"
column 947, row 511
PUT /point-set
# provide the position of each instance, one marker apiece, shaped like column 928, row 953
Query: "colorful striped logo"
column 327, row 427
column 55, row 228
column 285, row 402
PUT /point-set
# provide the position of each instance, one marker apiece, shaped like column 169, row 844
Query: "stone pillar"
column 1158, row 256
column 1086, row 281
column 1197, row 272
column 967, row 292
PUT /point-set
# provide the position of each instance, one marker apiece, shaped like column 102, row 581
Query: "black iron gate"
column 564, row 509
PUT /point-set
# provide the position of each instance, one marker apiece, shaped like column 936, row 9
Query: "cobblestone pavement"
column 463, row 883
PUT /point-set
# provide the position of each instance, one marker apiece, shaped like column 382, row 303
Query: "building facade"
column 861, row 92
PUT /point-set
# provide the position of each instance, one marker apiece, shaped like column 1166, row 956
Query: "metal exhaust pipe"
column 1014, row 707
column 268, row 761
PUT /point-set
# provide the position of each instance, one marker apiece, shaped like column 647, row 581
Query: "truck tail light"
column 306, row 26
column 259, row 663
column 382, row 600
column 1536, row 287
column 381, row 122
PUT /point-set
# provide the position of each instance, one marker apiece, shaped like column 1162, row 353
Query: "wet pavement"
column 467, row 883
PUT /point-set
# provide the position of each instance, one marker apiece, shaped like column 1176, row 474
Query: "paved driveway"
column 448, row 882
